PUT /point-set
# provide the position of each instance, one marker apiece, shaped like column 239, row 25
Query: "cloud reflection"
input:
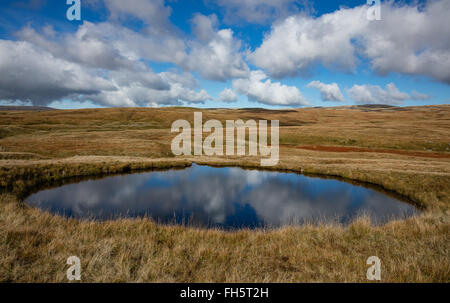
column 225, row 197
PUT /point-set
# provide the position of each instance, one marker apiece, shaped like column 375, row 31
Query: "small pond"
column 226, row 197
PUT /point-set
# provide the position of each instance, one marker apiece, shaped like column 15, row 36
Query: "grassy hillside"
column 405, row 150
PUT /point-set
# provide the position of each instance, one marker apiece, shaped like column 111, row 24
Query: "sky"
column 224, row 53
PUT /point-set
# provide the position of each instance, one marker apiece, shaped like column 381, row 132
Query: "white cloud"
column 375, row 94
column 132, row 90
column 204, row 27
column 268, row 92
column 218, row 58
column 363, row 93
column 329, row 92
column 117, row 54
column 106, row 45
column 107, row 62
column 32, row 74
column 228, row 95
column 186, row 79
column 407, row 40
column 152, row 12
column 259, row 11
column 214, row 55
column 299, row 42
column 139, row 45
column 135, row 95
column 419, row 96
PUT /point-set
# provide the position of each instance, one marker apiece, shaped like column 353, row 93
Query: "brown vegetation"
column 405, row 151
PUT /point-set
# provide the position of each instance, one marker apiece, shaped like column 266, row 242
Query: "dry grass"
column 393, row 148
column 35, row 246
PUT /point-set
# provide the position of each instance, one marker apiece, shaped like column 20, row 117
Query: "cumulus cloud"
column 375, row 94
column 260, row 11
column 153, row 13
column 106, row 62
column 227, row 95
column 132, row 91
column 106, row 45
column 299, row 42
column 136, row 45
column 33, row 74
column 407, row 40
column 186, row 79
column 217, row 56
column 419, row 96
column 268, row 92
column 135, row 95
column 204, row 27
column 115, row 56
column 329, row 92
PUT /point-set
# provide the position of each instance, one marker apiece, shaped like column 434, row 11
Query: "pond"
column 225, row 197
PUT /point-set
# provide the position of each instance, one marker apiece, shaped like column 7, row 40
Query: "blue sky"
column 217, row 53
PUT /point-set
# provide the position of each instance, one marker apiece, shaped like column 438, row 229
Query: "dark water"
column 221, row 197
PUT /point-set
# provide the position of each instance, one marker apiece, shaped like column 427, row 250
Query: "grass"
column 35, row 246
column 404, row 151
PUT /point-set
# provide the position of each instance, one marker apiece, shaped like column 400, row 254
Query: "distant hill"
column 375, row 106
column 25, row 108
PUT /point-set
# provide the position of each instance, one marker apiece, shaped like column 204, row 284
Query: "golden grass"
column 35, row 247
column 46, row 147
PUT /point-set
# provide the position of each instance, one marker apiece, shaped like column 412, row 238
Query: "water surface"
column 221, row 197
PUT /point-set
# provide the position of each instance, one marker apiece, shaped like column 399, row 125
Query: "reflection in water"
column 220, row 197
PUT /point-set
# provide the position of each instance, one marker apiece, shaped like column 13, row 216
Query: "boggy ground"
column 405, row 150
